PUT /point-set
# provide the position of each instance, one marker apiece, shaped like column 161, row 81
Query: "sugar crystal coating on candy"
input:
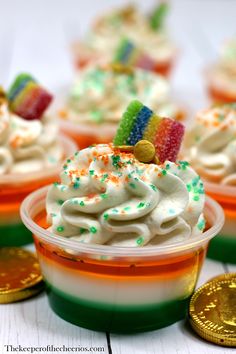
column 127, row 122
column 168, row 139
column 128, row 54
column 158, row 16
column 27, row 98
column 139, row 123
column 139, row 126
column 150, row 131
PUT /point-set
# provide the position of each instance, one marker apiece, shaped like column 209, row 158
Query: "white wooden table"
column 35, row 37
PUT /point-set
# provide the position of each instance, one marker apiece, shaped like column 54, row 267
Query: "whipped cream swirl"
column 102, row 95
column 108, row 197
column 27, row 145
column 211, row 144
column 103, row 39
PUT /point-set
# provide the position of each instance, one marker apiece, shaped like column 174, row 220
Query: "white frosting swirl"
column 108, row 30
column 211, row 144
column 27, row 145
column 102, row 95
column 109, row 197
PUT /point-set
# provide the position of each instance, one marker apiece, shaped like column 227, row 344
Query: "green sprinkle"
column 104, row 195
column 65, row 167
column 56, row 184
column 127, row 208
column 76, row 153
column 76, row 185
column 97, row 116
column 93, row 229
column 82, row 230
column 53, row 215
column 106, row 216
column 60, row 228
column 164, row 172
column 201, row 225
column 68, row 161
column 140, row 240
column 82, row 203
column 153, row 187
column 104, row 177
column 196, row 198
column 168, row 166
column 221, row 117
column 189, row 187
column 140, row 205
column 115, row 211
column 91, row 172
column 132, row 185
column 60, row 201
column 116, row 161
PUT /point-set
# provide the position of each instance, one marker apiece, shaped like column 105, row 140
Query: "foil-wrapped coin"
column 212, row 310
column 20, row 275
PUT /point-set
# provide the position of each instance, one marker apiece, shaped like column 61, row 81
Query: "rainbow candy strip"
column 128, row 54
column 140, row 123
column 158, row 16
column 27, row 99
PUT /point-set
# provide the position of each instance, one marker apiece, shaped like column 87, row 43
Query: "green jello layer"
column 14, row 235
column 223, row 248
column 116, row 318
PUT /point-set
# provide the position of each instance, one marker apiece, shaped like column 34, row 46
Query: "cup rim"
column 69, row 147
column 37, row 200
column 87, row 129
column 220, row 189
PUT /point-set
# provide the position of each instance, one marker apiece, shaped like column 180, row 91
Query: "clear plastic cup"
column 83, row 58
column 217, row 92
column 223, row 246
column 118, row 289
column 86, row 135
column 14, row 188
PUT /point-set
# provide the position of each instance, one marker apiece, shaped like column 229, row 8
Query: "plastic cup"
column 118, row 289
column 163, row 67
column 217, row 92
column 14, row 188
column 223, row 246
column 86, row 135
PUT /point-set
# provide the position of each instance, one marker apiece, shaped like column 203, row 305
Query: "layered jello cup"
column 94, row 106
column 223, row 246
column 118, row 289
column 221, row 76
column 121, row 242
column 14, row 188
column 144, row 33
column 31, row 153
column 210, row 148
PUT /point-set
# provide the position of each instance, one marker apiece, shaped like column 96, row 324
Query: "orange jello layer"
column 165, row 267
column 162, row 68
column 84, row 141
column 12, row 196
column 221, row 96
column 228, row 203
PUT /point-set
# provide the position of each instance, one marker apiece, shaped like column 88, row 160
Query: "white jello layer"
column 123, row 290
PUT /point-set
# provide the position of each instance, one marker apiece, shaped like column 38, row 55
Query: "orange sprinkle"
column 63, row 114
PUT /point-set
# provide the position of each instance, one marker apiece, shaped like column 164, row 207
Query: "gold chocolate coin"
column 20, row 275
column 212, row 310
